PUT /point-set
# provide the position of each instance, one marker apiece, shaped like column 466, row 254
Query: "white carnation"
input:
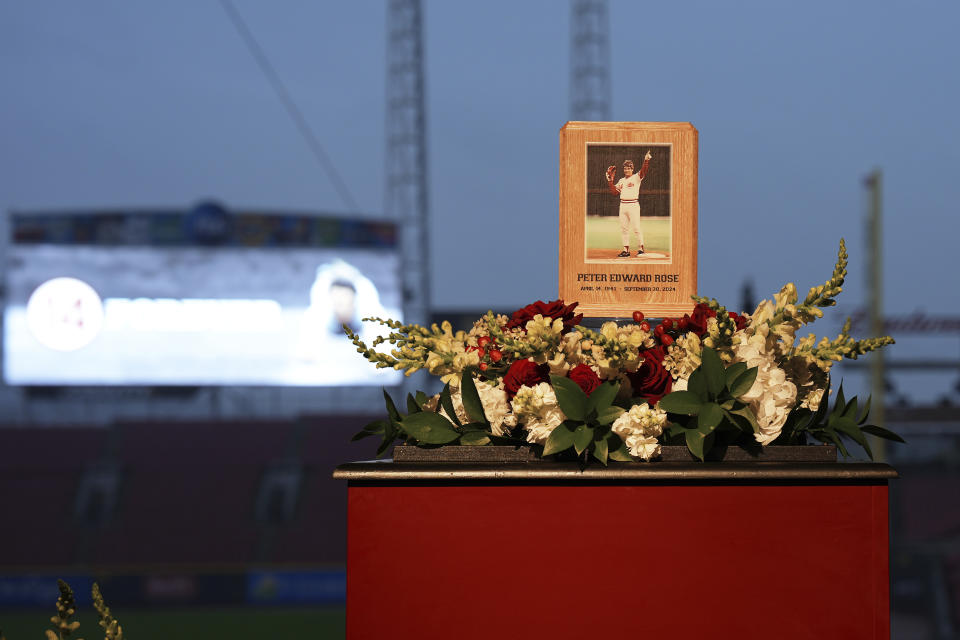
column 540, row 428
column 772, row 395
column 639, row 428
column 642, row 447
column 495, row 406
column 537, row 409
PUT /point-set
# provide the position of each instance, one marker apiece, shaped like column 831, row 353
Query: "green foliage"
column 587, row 430
column 471, row 398
column 424, row 427
column 710, row 410
column 430, row 428
column 845, row 422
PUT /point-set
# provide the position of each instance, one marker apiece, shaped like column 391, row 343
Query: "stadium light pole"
column 407, row 195
column 589, row 60
column 874, row 185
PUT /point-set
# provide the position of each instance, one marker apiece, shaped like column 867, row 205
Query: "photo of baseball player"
column 628, row 189
column 628, row 216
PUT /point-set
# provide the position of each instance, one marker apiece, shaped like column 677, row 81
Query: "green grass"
column 603, row 232
column 237, row 623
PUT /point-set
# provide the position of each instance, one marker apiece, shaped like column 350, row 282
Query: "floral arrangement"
column 713, row 378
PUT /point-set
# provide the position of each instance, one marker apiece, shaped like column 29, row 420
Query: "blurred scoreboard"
column 200, row 297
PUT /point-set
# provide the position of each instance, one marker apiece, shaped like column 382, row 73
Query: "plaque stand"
column 659, row 550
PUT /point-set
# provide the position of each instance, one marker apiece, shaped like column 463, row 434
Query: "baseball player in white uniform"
column 628, row 188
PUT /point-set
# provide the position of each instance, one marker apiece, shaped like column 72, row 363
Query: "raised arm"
column 645, row 166
column 611, row 174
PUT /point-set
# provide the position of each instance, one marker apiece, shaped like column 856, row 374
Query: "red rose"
column 552, row 310
column 585, row 378
column 738, row 319
column 697, row 322
column 524, row 372
column 651, row 380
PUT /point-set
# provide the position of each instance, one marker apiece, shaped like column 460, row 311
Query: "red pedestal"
column 646, row 551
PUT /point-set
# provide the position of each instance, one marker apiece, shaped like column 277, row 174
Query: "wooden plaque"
column 624, row 249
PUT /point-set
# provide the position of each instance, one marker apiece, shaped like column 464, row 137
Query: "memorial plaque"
column 628, row 217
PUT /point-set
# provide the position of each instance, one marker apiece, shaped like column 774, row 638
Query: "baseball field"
column 604, row 242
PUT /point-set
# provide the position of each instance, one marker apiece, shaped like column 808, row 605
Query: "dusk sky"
column 161, row 104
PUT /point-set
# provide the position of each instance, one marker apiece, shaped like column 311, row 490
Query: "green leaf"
column 609, row 415
column 683, row 402
column 603, row 396
column 391, row 408
column 880, row 432
column 747, row 414
column 799, row 420
column 374, row 428
column 377, row 426
column 848, row 427
column 866, row 412
column 840, row 403
column 832, row 436
column 447, row 403
column 713, row 371
column 851, row 409
column 392, row 430
column 675, row 430
column 582, row 437
column 430, row 428
column 743, row 382
column 471, row 397
column 733, row 371
column 382, row 449
column 600, row 451
column 412, row 406
column 695, row 442
column 617, row 450
column 476, row 426
column 709, row 417
column 561, row 439
column 570, row 397
column 697, row 384
column 421, row 398
column 475, row 439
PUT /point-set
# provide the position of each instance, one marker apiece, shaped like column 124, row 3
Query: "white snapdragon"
column 813, row 400
column 639, row 428
column 622, row 355
column 809, row 378
column 569, row 354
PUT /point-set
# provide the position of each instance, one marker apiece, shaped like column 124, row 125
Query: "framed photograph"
column 628, row 217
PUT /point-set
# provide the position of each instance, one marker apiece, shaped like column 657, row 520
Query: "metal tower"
column 589, row 60
column 407, row 199
column 874, row 185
